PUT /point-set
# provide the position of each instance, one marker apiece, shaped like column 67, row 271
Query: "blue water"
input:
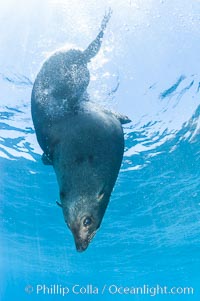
column 147, row 69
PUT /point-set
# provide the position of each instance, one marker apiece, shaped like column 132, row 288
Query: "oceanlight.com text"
column 111, row 289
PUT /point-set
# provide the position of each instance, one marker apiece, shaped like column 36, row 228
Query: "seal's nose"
column 82, row 237
column 81, row 245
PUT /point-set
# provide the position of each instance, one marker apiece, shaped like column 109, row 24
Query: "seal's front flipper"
column 46, row 160
column 122, row 118
column 94, row 47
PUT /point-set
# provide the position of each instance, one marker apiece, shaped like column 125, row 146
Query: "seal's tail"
column 94, row 47
column 106, row 19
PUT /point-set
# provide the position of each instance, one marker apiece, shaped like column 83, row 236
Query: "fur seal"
column 83, row 142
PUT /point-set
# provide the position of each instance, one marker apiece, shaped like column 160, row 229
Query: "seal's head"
column 83, row 216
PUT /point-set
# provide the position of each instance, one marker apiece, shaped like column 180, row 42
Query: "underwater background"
column 148, row 68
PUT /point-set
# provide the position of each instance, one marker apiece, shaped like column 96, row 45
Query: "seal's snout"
column 83, row 228
column 82, row 240
column 81, row 246
column 83, row 243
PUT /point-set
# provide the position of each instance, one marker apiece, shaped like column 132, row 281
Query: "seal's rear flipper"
column 94, row 47
column 46, row 160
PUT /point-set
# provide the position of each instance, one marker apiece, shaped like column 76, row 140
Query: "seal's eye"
column 87, row 221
